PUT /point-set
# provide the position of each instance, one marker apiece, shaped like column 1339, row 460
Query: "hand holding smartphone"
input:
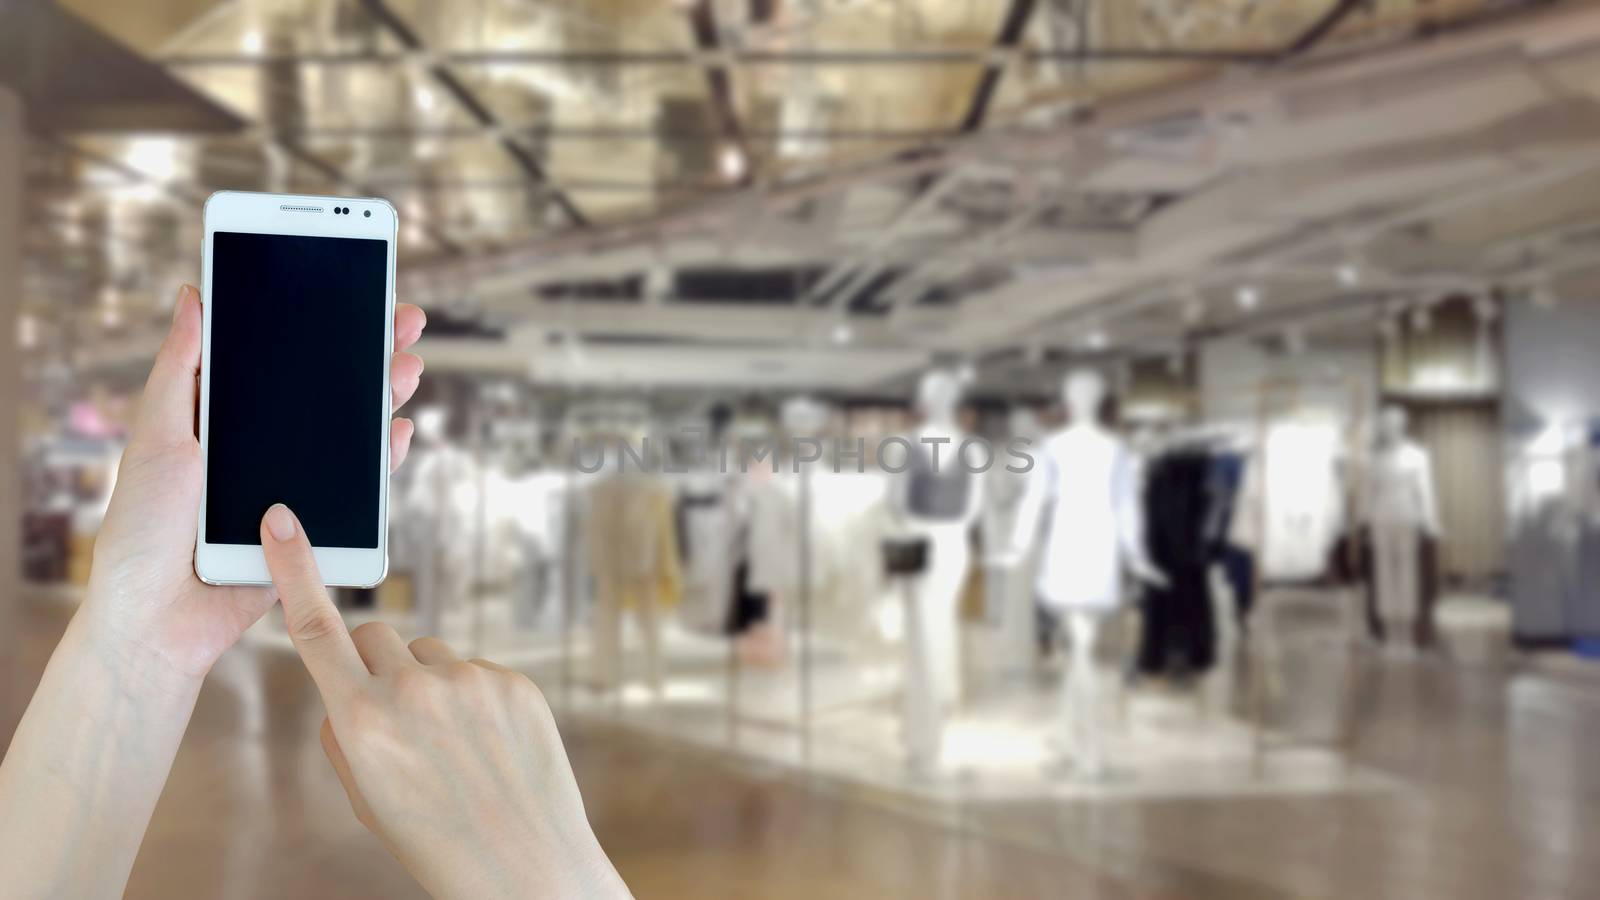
column 294, row 381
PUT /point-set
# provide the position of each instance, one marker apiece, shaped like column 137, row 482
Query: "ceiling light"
column 426, row 98
column 27, row 331
column 842, row 333
column 732, row 163
column 1249, row 296
column 1097, row 340
column 111, row 317
column 155, row 158
column 1349, row 274
column 251, row 41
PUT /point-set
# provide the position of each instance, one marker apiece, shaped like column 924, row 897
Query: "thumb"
column 166, row 409
column 315, row 625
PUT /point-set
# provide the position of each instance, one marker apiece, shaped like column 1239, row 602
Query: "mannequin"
column 1400, row 510
column 937, row 498
column 1095, row 528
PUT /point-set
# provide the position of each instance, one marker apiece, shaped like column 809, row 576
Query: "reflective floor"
column 1491, row 791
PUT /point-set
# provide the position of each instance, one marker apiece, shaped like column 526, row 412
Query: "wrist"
column 141, row 670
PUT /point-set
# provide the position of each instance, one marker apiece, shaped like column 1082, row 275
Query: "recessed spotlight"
column 1349, row 274
column 732, row 163
column 1098, row 340
column 1249, row 296
column 842, row 333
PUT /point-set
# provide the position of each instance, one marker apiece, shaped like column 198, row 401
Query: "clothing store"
column 949, row 448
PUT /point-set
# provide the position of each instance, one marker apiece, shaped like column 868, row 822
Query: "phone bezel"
column 259, row 213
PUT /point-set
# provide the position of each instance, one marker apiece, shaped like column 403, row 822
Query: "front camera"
column 367, row 213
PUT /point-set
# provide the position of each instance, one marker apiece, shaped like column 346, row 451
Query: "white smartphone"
column 294, row 381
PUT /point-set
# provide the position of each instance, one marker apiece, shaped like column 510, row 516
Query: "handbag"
column 905, row 556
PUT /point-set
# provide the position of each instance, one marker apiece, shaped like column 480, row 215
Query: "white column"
column 10, row 404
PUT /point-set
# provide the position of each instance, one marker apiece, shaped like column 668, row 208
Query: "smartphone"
column 298, row 294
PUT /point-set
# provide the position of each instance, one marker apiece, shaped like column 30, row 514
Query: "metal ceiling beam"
column 719, row 82
column 1337, row 12
column 1017, row 147
column 843, row 279
column 1011, row 29
column 380, row 11
column 577, row 133
column 904, row 56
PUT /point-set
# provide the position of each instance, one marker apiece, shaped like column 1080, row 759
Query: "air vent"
column 287, row 208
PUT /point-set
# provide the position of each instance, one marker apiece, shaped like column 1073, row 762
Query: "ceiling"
column 830, row 193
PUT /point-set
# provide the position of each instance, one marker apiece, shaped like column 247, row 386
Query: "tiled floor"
column 1489, row 789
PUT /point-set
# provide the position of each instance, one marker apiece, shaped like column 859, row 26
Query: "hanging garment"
column 633, row 557
column 1179, row 635
column 1087, row 479
column 845, row 526
column 1291, row 510
column 749, row 607
column 711, row 541
column 1239, row 567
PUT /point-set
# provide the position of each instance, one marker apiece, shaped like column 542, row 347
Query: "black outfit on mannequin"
column 1179, row 631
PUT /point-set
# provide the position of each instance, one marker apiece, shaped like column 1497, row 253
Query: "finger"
column 166, row 410
column 409, row 320
column 400, row 433
column 381, row 648
column 405, row 373
column 430, row 651
column 315, row 626
column 341, row 766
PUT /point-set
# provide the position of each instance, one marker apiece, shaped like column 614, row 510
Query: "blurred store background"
column 1307, row 288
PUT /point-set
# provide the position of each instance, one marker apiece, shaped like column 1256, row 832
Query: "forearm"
column 86, row 766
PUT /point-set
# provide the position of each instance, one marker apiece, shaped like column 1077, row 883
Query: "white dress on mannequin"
column 1090, row 482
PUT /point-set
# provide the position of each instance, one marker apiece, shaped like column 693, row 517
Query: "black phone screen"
column 297, row 370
